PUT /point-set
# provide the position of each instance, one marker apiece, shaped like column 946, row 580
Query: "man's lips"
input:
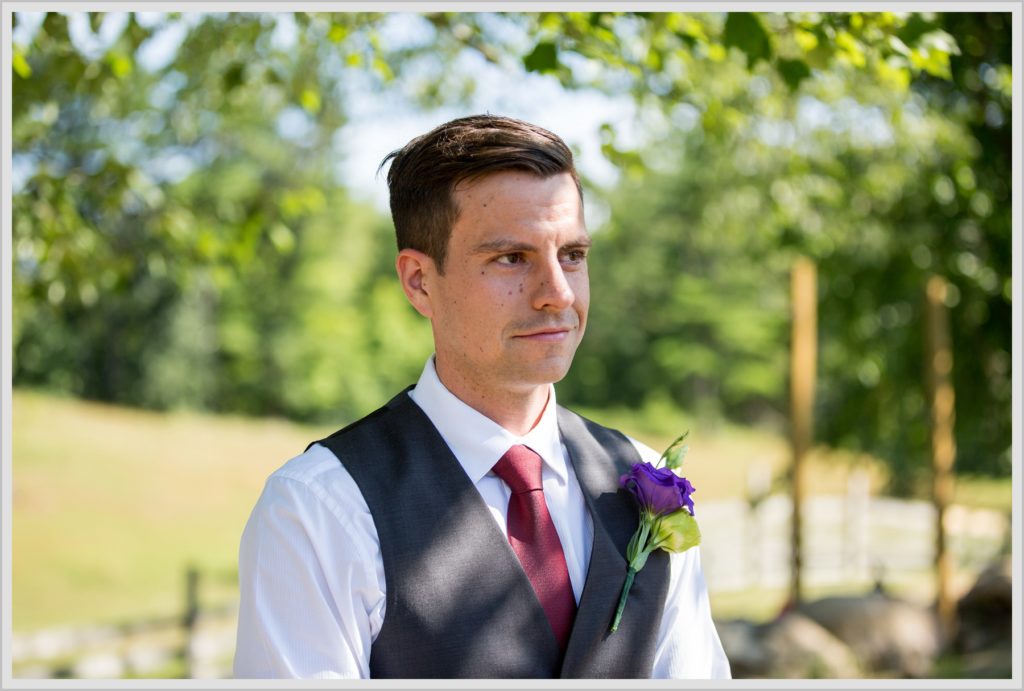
column 555, row 333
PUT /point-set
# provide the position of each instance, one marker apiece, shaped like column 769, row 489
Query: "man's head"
column 425, row 172
column 506, row 286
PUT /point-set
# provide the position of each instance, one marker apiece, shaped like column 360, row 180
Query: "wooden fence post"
column 190, row 618
column 803, row 366
column 940, row 391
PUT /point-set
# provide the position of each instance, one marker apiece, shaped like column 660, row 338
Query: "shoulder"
column 603, row 434
column 647, row 454
column 367, row 425
column 313, row 487
column 313, row 466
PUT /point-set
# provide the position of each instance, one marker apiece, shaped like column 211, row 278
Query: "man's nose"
column 552, row 290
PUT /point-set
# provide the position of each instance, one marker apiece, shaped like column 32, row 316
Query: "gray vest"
column 459, row 605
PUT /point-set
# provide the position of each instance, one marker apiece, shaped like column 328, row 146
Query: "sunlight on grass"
column 109, row 513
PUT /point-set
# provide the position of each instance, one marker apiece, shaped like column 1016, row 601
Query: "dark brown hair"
column 424, row 173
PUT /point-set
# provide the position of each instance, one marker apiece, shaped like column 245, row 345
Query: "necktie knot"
column 520, row 469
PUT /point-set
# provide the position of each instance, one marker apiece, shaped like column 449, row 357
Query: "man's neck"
column 518, row 411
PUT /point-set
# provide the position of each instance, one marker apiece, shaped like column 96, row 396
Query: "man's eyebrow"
column 582, row 242
column 509, row 245
column 503, row 245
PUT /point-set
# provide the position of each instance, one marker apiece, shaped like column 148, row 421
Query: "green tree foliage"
column 182, row 237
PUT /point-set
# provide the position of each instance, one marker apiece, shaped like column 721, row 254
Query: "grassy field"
column 111, row 505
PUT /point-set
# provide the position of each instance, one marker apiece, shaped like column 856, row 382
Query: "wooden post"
column 940, row 390
column 803, row 366
column 189, row 619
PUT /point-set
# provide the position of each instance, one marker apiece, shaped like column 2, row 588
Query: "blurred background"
column 802, row 253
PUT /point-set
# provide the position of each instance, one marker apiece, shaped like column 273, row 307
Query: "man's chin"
column 546, row 372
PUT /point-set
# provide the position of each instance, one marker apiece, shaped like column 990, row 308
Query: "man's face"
column 511, row 306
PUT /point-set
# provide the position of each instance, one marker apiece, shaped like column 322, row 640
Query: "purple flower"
column 658, row 489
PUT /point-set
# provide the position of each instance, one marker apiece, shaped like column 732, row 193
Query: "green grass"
column 984, row 492
column 111, row 504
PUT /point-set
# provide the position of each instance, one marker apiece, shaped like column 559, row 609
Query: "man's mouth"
column 551, row 334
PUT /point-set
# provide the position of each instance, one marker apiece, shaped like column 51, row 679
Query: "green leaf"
column 899, row 46
column 940, row 41
column 543, row 58
column 282, row 237
column 677, row 532
column 793, row 72
column 310, row 100
column 233, row 76
column 745, row 31
column 851, row 48
column 337, row 33
column 120, row 64
column 676, row 451
column 631, row 547
column 640, row 561
column 20, row 65
column 915, row 27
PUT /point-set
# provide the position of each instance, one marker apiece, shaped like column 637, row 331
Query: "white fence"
column 846, row 538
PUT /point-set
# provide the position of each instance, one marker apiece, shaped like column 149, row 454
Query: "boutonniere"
column 666, row 513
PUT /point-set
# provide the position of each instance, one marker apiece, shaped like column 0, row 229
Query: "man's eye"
column 514, row 258
column 575, row 256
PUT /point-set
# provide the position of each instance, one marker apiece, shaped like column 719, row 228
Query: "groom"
column 471, row 527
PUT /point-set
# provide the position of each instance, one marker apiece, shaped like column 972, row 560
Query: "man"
column 471, row 527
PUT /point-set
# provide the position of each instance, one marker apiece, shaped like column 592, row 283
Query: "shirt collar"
column 477, row 441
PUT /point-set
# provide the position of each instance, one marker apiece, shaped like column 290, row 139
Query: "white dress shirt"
column 311, row 574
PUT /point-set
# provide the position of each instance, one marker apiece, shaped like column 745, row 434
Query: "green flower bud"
column 676, row 532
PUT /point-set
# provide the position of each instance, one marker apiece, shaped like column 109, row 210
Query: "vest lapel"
column 593, row 651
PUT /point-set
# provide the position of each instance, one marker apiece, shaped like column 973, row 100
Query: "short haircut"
column 425, row 172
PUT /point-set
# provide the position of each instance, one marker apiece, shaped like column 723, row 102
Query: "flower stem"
column 630, row 573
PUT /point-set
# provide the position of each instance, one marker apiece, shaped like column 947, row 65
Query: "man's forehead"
column 511, row 177
column 503, row 204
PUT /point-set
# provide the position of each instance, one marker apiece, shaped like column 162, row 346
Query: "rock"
column 985, row 612
column 888, row 635
column 50, row 643
column 790, row 647
column 98, row 666
column 992, row 663
column 741, row 640
column 143, row 660
column 798, row 648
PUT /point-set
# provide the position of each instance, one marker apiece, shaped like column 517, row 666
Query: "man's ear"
column 417, row 272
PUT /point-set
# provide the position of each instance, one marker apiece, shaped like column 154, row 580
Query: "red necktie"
column 534, row 539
